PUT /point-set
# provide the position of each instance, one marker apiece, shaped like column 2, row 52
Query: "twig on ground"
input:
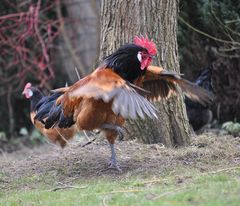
column 67, row 187
column 62, row 136
column 150, row 181
column 104, row 201
column 223, row 170
column 89, row 142
column 120, row 191
column 115, row 192
column 171, row 192
column 86, row 135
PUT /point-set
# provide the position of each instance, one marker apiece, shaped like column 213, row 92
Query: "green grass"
column 188, row 187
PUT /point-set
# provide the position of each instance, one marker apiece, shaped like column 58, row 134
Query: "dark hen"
column 199, row 115
column 40, row 109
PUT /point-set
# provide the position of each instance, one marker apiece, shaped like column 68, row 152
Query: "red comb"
column 145, row 43
column 28, row 85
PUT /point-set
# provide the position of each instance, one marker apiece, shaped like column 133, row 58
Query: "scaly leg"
column 113, row 161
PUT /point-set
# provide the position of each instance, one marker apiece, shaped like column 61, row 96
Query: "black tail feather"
column 47, row 109
column 57, row 118
column 44, row 106
column 43, row 111
column 47, row 99
column 53, row 117
column 65, row 121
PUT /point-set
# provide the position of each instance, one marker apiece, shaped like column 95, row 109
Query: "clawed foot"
column 115, row 166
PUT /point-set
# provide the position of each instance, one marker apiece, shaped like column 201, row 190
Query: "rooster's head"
column 131, row 60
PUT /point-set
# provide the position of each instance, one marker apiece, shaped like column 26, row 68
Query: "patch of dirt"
column 206, row 153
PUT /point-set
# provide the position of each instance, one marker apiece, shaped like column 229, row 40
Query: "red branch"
column 26, row 38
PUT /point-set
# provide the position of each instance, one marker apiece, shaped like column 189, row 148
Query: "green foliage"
column 36, row 137
column 3, row 136
column 209, row 36
column 220, row 19
column 232, row 128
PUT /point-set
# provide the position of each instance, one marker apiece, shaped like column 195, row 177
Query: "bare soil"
column 208, row 152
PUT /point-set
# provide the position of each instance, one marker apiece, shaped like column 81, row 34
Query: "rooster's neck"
column 37, row 96
column 125, row 63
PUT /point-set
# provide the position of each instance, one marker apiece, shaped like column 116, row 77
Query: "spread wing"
column 162, row 84
column 106, row 85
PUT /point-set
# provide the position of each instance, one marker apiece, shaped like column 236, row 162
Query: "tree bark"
column 79, row 43
column 120, row 21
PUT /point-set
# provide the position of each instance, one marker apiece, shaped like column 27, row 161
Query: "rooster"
column 41, row 103
column 119, row 89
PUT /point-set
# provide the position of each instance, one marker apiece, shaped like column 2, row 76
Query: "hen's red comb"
column 28, row 85
column 146, row 43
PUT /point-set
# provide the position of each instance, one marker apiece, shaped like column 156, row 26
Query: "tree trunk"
column 120, row 22
column 79, row 43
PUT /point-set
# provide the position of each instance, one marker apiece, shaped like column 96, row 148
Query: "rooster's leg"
column 111, row 138
column 113, row 163
column 115, row 128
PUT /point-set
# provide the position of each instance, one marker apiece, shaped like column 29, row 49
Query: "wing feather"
column 108, row 86
column 132, row 110
column 163, row 84
column 139, row 109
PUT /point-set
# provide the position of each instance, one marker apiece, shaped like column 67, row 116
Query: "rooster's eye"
column 139, row 56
